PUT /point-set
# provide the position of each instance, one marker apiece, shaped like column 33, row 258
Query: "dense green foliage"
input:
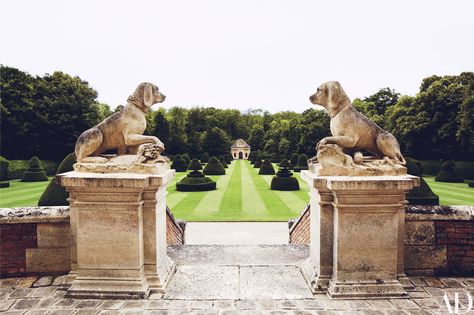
column 266, row 168
column 284, row 179
column 214, row 167
column 4, row 163
column 55, row 194
column 18, row 167
column 294, row 160
column 466, row 168
column 179, row 164
column 258, row 163
column 186, row 159
column 302, row 163
column 421, row 195
column 45, row 115
column 35, row 171
column 449, row 174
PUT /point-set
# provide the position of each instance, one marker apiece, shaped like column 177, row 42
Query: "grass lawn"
column 451, row 193
column 241, row 195
column 21, row 194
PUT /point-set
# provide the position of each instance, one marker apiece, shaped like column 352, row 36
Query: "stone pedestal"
column 119, row 222
column 367, row 234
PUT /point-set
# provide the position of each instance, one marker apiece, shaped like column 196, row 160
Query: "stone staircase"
column 217, row 272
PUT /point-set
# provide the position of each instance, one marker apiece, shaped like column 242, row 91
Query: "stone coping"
column 429, row 213
column 34, row 215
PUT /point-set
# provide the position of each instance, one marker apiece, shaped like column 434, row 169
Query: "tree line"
column 43, row 116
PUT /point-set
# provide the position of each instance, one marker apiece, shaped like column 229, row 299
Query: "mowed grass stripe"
column 252, row 204
column 230, row 206
column 277, row 209
column 22, row 194
column 292, row 199
column 210, row 204
column 303, row 193
column 451, row 193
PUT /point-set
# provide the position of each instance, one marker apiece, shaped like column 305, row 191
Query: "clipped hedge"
column 284, row 179
column 35, row 171
column 196, row 184
column 466, row 168
column 55, row 194
column 186, row 159
column 222, row 161
column 470, row 184
column 422, row 195
column 294, row 160
column 179, row 164
column 214, row 167
column 258, row 163
column 302, row 163
column 4, row 184
column 449, row 174
column 205, row 157
column 18, row 167
column 4, row 163
column 228, row 158
column 266, row 168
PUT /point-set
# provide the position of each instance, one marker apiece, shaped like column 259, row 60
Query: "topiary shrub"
column 205, row 157
column 284, row 179
column 195, row 180
column 258, row 163
column 4, row 184
column 266, row 168
column 228, row 158
column 448, row 173
column 302, row 163
column 35, row 172
column 179, row 164
column 470, row 184
column 421, row 195
column 55, row 194
column 294, row 160
column 4, row 163
column 214, row 167
column 186, row 159
column 222, row 161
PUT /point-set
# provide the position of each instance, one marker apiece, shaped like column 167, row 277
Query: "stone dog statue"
column 352, row 130
column 123, row 130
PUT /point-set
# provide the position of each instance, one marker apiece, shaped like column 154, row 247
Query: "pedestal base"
column 365, row 289
column 318, row 284
column 109, row 289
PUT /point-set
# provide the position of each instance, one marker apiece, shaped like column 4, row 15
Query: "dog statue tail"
column 399, row 157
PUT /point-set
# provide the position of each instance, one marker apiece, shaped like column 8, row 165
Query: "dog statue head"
column 147, row 94
column 331, row 96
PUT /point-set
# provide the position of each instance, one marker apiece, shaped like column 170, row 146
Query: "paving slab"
column 236, row 233
column 239, row 255
column 202, row 282
column 273, row 282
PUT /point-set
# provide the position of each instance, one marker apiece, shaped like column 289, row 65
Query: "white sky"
column 243, row 53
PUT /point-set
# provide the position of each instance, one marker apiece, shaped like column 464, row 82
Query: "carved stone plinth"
column 119, row 222
column 366, row 248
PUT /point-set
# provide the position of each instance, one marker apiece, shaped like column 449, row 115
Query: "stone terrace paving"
column 213, row 279
column 33, row 295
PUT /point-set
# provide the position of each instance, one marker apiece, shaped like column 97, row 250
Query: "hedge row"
column 466, row 168
column 16, row 168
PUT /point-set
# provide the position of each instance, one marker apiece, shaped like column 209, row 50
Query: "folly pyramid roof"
column 240, row 143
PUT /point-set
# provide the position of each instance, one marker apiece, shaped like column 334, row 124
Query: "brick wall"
column 35, row 240
column 299, row 228
column 174, row 229
column 439, row 239
column 14, row 240
column 458, row 237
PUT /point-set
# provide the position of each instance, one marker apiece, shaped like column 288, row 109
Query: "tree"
column 161, row 129
column 177, row 126
column 256, row 137
column 215, row 142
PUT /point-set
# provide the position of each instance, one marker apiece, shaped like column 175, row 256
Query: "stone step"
column 239, row 255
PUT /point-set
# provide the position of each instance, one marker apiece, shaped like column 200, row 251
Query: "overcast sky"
column 243, row 53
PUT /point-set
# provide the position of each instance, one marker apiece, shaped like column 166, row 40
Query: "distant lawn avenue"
column 241, row 195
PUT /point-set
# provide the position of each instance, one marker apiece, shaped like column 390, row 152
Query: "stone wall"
column 36, row 240
column 439, row 239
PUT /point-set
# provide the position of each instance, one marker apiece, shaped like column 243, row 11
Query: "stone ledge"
column 429, row 213
column 34, row 215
